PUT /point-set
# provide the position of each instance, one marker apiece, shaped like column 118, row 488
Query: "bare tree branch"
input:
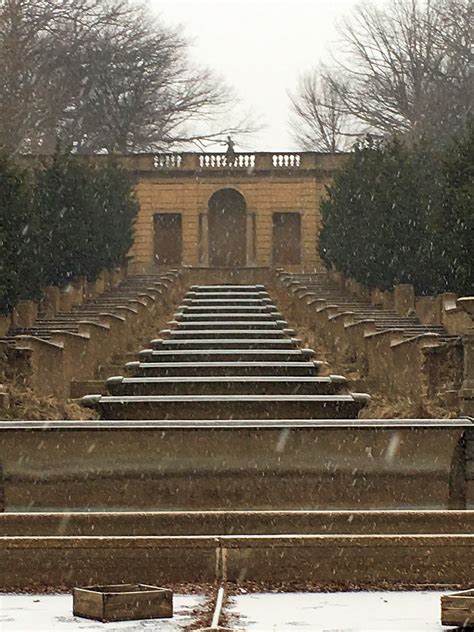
column 319, row 122
column 101, row 75
column 405, row 69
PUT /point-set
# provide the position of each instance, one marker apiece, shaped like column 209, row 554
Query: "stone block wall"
column 264, row 195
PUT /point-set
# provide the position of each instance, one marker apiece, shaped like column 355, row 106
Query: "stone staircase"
column 231, row 331
column 62, row 355
column 319, row 290
column 131, row 294
column 389, row 350
column 223, row 454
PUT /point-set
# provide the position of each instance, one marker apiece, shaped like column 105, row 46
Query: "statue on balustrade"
column 230, row 152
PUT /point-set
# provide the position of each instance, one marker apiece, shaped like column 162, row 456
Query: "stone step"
column 190, row 325
column 227, row 288
column 82, row 388
column 71, row 317
column 128, row 296
column 226, row 343
column 381, row 315
column 218, row 302
column 74, row 317
column 93, row 310
column 227, row 406
column 226, row 308
column 215, row 334
column 104, row 372
column 417, row 330
column 227, row 316
column 33, row 331
column 230, row 385
column 227, row 355
column 119, row 300
column 229, row 295
column 203, row 369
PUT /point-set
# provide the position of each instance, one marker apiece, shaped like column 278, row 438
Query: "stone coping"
column 260, row 513
column 240, row 541
column 340, row 424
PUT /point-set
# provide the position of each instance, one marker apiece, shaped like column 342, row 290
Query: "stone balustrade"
column 216, row 161
column 223, row 161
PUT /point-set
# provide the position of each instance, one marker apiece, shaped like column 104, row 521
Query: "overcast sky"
column 260, row 47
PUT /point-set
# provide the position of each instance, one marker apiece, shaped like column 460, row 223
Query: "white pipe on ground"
column 218, row 609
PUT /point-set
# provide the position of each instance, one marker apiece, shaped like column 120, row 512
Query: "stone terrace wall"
column 269, row 182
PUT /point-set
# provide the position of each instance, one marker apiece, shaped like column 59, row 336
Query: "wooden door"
column 286, row 238
column 168, row 239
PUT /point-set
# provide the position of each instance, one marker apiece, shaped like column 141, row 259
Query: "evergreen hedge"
column 403, row 214
column 70, row 218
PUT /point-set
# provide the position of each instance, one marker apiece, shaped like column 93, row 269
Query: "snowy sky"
column 260, row 47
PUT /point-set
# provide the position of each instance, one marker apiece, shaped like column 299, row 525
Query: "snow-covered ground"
column 339, row 612
column 41, row 613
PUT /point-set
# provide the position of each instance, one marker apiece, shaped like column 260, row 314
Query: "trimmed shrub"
column 20, row 270
column 456, row 224
column 73, row 217
column 399, row 214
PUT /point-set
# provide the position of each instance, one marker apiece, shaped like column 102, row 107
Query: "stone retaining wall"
column 342, row 560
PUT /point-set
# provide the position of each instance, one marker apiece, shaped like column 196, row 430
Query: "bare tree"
column 404, row 69
column 100, row 75
column 403, row 78
column 140, row 90
column 452, row 89
column 36, row 38
column 319, row 121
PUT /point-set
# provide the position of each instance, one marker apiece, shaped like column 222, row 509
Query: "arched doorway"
column 227, row 229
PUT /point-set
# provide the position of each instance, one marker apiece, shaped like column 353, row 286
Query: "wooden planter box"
column 122, row 602
column 458, row 609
